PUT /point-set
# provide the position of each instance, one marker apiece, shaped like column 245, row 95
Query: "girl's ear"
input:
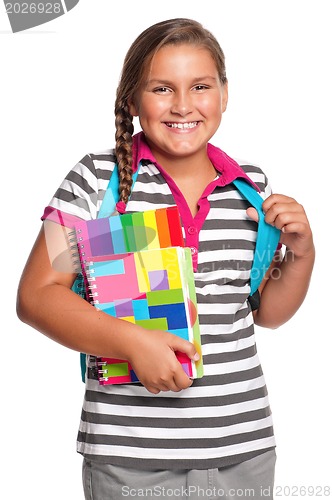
column 132, row 108
column 224, row 97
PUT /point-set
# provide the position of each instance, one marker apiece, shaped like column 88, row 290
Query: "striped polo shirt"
column 224, row 418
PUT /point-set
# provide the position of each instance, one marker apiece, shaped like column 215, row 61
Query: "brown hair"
column 175, row 32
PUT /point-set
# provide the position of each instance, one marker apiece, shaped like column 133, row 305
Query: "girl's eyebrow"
column 157, row 81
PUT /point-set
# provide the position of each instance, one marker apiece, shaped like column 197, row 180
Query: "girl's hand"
column 155, row 363
column 289, row 216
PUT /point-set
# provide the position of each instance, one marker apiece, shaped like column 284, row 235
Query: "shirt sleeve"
column 81, row 192
column 257, row 175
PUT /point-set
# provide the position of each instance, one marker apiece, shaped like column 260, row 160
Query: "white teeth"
column 181, row 125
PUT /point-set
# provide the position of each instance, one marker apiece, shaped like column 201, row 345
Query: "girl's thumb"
column 252, row 213
column 187, row 348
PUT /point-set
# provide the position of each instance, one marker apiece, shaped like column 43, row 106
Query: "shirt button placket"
column 192, row 242
column 192, row 230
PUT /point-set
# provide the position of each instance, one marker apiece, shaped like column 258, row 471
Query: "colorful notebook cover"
column 118, row 241
column 154, row 289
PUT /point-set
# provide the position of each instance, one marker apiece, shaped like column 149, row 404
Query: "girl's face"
column 181, row 103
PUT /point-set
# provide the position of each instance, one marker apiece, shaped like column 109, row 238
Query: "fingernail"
column 196, row 357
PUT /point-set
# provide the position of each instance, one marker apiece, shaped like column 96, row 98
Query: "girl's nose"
column 182, row 104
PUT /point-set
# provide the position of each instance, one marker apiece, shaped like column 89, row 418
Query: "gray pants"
column 251, row 479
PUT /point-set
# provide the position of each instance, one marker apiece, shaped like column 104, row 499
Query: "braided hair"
column 136, row 64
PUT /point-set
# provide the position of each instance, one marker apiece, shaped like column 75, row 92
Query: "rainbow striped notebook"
column 137, row 269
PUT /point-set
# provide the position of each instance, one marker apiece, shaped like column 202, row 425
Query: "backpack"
column 266, row 242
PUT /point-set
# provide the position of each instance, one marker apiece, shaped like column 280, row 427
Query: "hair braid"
column 123, row 148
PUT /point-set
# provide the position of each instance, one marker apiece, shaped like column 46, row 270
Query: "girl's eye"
column 200, row 87
column 162, row 90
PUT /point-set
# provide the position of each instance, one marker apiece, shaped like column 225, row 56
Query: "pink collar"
column 228, row 168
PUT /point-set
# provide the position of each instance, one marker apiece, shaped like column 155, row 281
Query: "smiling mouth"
column 181, row 125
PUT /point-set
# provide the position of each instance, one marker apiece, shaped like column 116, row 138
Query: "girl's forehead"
column 185, row 55
column 172, row 49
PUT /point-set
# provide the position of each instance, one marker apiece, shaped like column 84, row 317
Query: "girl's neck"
column 191, row 175
column 189, row 167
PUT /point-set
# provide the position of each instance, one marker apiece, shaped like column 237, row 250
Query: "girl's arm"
column 286, row 284
column 46, row 302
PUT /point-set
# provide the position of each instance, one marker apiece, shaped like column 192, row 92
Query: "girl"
column 171, row 436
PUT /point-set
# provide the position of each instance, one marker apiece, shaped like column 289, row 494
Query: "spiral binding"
column 102, row 371
column 77, row 255
column 90, row 285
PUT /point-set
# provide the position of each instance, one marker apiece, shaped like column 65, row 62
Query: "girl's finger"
column 285, row 212
column 276, row 198
column 287, row 218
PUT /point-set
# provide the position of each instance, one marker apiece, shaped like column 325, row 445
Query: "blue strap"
column 83, row 365
column 267, row 236
column 111, row 196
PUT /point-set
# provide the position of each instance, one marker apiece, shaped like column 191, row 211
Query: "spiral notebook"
column 136, row 268
column 152, row 288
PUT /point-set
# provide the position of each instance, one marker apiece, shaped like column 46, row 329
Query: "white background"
column 57, row 92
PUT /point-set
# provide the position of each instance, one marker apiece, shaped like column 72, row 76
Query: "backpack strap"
column 111, row 196
column 267, row 236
